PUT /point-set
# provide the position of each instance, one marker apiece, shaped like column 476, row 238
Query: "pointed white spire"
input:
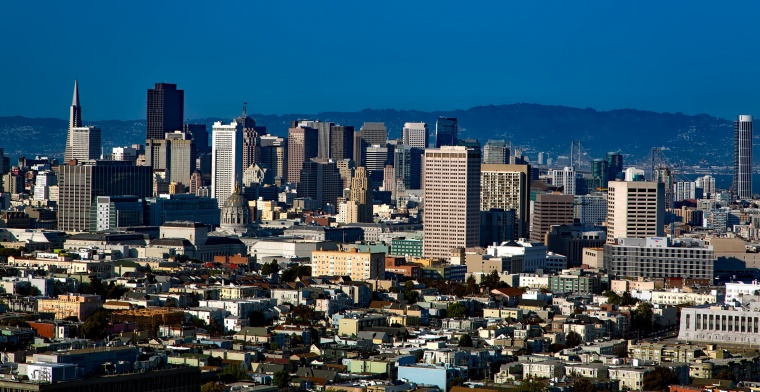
column 75, row 99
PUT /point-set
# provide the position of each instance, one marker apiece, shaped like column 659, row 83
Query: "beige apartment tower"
column 550, row 209
column 451, row 217
column 507, row 187
column 635, row 209
column 358, row 265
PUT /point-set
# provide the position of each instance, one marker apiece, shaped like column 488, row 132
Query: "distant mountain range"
column 531, row 127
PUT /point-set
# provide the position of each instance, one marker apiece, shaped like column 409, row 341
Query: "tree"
column 465, row 340
column 472, row 285
column 281, row 379
column 271, row 268
column 211, row 387
column 572, row 339
column 457, row 382
column 583, row 385
column 394, row 289
column 531, row 385
column 725, row 374
column 234, row 372
column 256, row 319
column 95, row 327
column 114, row 291
column 290, row 274
column 456, row 310
column 410, row 294
column 95, row 287
column 660, row 379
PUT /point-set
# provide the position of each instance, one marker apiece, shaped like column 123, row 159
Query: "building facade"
column 743, row 157
column 416, row 134
column 359, row 266
column 550, row 209
column 660, row 257
column 165, row 111
column 635, row 209
column 226, row 160
column 451, row 217
column 507, row 187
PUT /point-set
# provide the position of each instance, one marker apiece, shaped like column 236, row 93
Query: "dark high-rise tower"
column 251, row 136
column 166, row 109
column 303, row 144
column 446, row 132
column 743, row 157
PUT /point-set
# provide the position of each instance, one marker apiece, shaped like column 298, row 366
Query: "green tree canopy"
column 95, row 327
column 465, row 340
column 660, row 379
column 281, row 379
column 530, row 385
column 456, row 310
column 211, row 387
column 271, row 268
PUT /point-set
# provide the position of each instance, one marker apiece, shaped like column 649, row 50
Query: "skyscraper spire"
column 75, row 100
column 245, row 114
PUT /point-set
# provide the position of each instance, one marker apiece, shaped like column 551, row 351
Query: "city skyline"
column 608, row 58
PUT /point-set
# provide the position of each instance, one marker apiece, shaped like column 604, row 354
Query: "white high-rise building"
column 634, row 174
column 707, row 183
column 635, row 209
column 85, row 143
column 416, row 134
column 226, row 160
column 743, row 158
column 591, row 209
column 683, row 190
column 564, row 178
column 124, row 154
column 42, row 183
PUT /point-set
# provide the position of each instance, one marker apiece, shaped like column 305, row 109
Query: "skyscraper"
column 320, row 180
column 446, row 132
column 166, row 109
column 303, row 144
column 251, row 135
column 175, row 155
column 80, row 184
column 564, row 178
column 75, row 113
column 451, row 218
column 416, row 134
column 85, row 143
column 226, row 160
column 199, row 135
column 550, row 209
column 507, row 187
column 496, row 152
column 274, row 154
column 635, row 209
column 407, row 164
column 743, row 157
column 614, row 165
column 370, row 134
column 360, row 203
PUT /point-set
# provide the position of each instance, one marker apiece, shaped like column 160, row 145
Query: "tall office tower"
column 346, row 169
column 359, row 206
column 79, row 185
column 226, row 160
column 174, row 155
column 85, row 143
column 591, row 209
column 614, row 165
column 407, row 163
column 683, row 190
column 274, row 154
column 166, row 109
column 75, row 121
column 199, row 135
column 635, row 209
column 665, row 176
column 542, row 156
column 600, row 169
column 496, row 152
column 451, row 218
column 507, row 187
column 320, row 180
column 377, row 157
column 251, row 134
column 124, row 154
column 415, row 134
column 707, row 183
column 303, row 144
column 564, row 178
column 550, row 209
column 389, row 180
column 335, row 141
column 196, row 182
column 743, row 157
column 370, row 134
column 42, row 183
column 446, row 132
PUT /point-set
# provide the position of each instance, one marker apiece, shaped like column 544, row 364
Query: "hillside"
column 533, row 127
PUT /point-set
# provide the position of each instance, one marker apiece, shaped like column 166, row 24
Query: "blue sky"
column 310, row 56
